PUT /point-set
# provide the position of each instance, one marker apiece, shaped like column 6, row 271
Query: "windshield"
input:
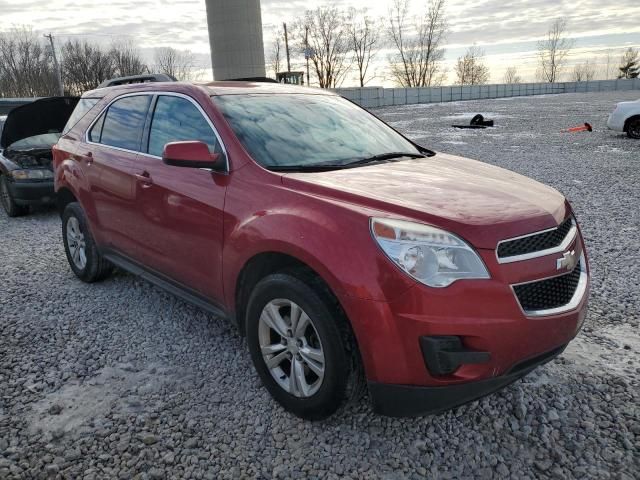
column 307, row 130
column 46, row 140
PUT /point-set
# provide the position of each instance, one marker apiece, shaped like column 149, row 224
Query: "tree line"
column 27, row 67
column 335, row 43
column 342, row 42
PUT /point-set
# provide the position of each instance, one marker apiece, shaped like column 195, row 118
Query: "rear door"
column 109, row 157
column 181, row 209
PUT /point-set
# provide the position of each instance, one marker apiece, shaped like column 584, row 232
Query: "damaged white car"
column 626, row 118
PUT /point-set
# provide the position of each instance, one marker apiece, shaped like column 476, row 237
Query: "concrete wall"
column 372, row 97
column 235, row 36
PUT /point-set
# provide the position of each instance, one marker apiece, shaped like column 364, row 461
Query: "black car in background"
column 28, row 133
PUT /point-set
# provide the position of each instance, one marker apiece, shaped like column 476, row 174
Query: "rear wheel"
column 633, row 128
column 301, row 346
column 82, row 253
column 7, row 200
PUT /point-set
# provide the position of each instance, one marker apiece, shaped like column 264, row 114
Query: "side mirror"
column 192, row 154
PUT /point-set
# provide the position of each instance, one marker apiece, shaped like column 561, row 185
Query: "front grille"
column 536, row 242
column 550, row 293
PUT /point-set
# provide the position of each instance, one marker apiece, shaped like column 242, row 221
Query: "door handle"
column 88, row 158
column 144, row 178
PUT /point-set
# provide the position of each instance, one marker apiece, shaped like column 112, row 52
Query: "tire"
column 8, row 203
column 82, row 253
column 633, row 128
column 327, row 331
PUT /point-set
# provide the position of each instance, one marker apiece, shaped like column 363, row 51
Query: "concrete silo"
column 235, row 36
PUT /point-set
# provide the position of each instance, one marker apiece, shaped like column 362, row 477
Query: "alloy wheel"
column 291, row 348
column 76, row 243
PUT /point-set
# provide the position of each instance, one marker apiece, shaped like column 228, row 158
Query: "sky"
column 507, row 31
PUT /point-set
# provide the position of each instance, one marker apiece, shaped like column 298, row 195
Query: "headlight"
column 37, row 174
column 432, row 256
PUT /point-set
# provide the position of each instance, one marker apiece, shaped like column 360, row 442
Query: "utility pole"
column 286, row 46
column 56, row 65
column 307, row 53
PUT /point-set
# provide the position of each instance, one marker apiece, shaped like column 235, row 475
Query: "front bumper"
column 615, row 122
column 498, row 341
column 32, row 192
column 411, row 401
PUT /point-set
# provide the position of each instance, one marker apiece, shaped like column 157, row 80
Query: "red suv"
column 343, row 251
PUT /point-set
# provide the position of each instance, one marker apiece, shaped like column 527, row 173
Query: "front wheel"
column 8, row 203
column 633, row 129
column 301, row 346
column 82, row 253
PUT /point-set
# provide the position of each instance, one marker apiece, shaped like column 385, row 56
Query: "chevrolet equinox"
column 348, row 255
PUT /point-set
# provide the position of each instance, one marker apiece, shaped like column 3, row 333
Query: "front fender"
column 333, row 239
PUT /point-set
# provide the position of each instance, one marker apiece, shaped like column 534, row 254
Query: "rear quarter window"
column 82, row 108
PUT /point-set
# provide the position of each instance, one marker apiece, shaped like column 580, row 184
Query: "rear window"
column 82, row 108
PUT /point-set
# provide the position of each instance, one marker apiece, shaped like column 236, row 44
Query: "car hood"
column 480, row 202
column 47, row 115
column 632, row 104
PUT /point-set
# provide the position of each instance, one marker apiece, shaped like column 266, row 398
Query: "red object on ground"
column 582, row 128
column 214, row 232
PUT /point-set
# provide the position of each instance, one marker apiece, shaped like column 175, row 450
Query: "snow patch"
column 75, row 405
column 615, row 349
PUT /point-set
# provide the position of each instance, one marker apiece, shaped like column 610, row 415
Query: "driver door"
column 181, row 209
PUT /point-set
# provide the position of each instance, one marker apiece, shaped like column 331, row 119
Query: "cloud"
column 506, row 30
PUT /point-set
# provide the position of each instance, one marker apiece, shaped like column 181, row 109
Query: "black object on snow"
column 477, row 121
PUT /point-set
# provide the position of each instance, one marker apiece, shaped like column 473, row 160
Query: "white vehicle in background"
column 626, row 118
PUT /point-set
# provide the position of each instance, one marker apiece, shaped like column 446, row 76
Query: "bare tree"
column 553, row 51
column 470, row 69
column 25, row 65
column 583, row 72
column 85, row 66
column 417, row 43
column 607, row 73
column 364, row 37
column 630, row 64
column 329, row 41
column 276, row 53
column 127, row 60
column 176, row 63
column 511, row 76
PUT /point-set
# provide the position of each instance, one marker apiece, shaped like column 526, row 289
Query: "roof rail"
column 150, row 77
column 253, row 79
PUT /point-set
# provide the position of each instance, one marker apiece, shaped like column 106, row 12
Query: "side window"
column 177, row 119
column 96, row 130
column 123, row 123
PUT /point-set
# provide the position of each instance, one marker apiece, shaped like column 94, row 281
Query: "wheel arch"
column 628, row 121
column 64, row 197
column 266, row 263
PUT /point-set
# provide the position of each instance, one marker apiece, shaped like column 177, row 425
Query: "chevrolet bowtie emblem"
column 568, row 261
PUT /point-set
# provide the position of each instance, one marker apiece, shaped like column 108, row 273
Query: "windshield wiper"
column 304, row 168
column 385, row 157
column 324, row 167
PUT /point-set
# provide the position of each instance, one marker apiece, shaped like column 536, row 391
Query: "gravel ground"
column 121, row 380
